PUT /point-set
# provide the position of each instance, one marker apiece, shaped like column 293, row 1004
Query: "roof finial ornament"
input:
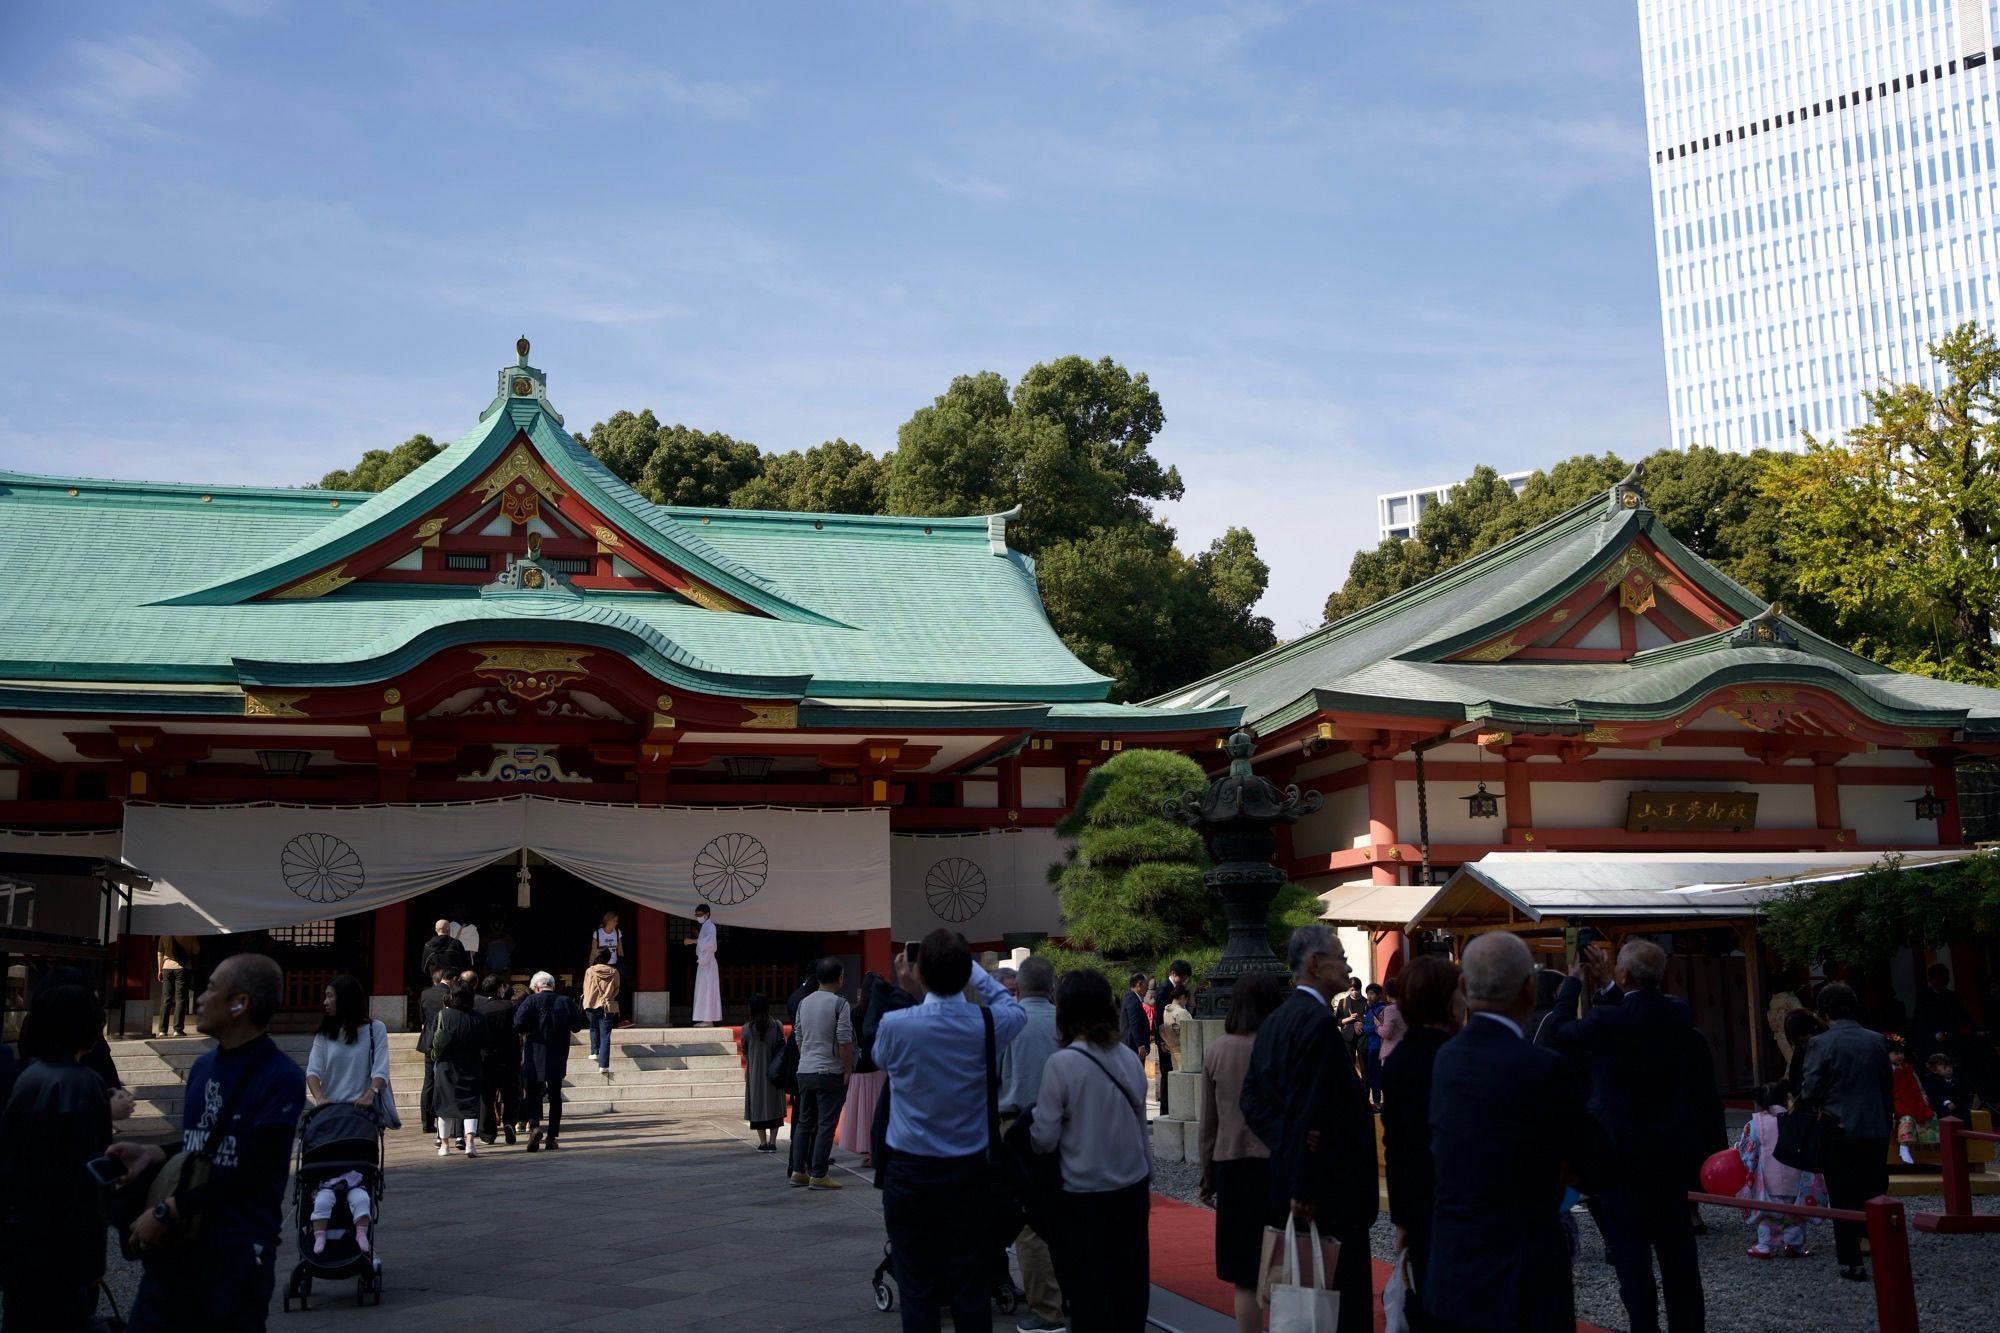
column 1627, row 493
column 521, row 348
column 1764, row 631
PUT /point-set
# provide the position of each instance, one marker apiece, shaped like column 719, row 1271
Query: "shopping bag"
column 1396, row 1297
column 1806, row 1138
column 1271, row 1268
column 1295, row 1306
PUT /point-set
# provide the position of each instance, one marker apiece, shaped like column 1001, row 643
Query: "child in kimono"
column 1771, row 1181
column 357, row 1208
column 1916, row 1122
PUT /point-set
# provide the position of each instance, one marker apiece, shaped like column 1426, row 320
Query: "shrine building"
column 509, row 691
column 1591, row 725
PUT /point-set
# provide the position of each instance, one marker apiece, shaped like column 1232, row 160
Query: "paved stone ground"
column 632, row 1226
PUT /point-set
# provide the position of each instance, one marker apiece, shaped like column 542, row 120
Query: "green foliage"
column 1295, row 906
column 1710, row 501
column 1865, row 919
column 832, row 478
column 1898, row 526
column 1132, row 885
column 673, row 465
column 379, row 469
column 1066, row 960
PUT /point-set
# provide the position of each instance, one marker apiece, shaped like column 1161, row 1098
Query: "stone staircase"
column 682, row 1073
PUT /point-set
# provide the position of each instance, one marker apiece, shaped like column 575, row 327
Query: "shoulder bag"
column 186, row 1172
column 783, row 1066
column 385, row 1100
column 1806, row 1138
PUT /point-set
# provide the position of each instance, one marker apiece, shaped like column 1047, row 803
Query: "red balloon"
column 1724, row 1173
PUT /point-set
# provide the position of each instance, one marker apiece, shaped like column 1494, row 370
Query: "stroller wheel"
column 1006, row 1298
column 885, row 1297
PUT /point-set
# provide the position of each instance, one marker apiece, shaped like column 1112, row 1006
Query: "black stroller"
column 336, row 1138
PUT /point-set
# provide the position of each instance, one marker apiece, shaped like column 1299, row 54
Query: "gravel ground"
column 1957, row 1277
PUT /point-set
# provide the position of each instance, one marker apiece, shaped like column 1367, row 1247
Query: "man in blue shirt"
column 223, row 1278
column 936, row 1199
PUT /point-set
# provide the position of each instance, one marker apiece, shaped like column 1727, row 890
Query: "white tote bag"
column 1295, row 1307
column 1397, row 1296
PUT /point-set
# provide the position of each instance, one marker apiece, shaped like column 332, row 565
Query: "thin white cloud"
column 113, row 89
column 966, row 185
column 614, row 83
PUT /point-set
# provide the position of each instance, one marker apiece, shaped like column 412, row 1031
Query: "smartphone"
column 1576, row 942
column 105, row 1170
column 910, row 949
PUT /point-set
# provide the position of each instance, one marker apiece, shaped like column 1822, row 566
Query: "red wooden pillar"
column 391, row 925
column 1944, row 782
column 1520, row 795
column 1382, row 814
column 1826, row 794
column 652, row 950
column 875, row 953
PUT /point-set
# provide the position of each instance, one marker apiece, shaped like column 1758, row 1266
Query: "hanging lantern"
column 1482, row 804
column 522, row 883
column 1928, row 806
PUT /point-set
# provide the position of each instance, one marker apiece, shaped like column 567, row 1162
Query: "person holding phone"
column 53, row 1175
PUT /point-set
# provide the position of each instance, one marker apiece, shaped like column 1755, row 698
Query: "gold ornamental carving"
column 607, row 540
column 703, row 595
column 1631, row 560
column 1602, row 735
column 318, row 586
column 519, row 465
column 1762, row 696
column 1920, row 740
column 771, row 717
column 531, row 673
column 519, row 504
column 1557, row 616
column 427, row 532
column 1495, row 651
column 272, row 705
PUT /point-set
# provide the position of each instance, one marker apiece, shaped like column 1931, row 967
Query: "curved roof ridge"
column 100, row 486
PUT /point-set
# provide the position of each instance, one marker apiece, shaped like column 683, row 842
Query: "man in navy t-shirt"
column 223, row 1279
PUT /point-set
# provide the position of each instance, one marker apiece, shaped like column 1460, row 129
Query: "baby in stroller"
column 357, row 1209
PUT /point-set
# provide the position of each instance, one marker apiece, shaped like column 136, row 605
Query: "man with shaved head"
column 1508, row 1131
column 1634, row 1042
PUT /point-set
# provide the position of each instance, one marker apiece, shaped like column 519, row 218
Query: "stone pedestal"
column 1177, row 1135
column 650, row 1008
column 391, row 1011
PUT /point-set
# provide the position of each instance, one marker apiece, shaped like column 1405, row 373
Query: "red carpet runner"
column 1183, row 1240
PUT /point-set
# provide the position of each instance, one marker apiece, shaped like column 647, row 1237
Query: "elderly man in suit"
column 1508, row 1127
column 1847, row 1073
column 1301, row 1097
column 1635, row 1043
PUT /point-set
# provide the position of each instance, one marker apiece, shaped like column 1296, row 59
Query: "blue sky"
column 1355, row 245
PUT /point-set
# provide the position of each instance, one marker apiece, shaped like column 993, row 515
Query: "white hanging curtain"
column 984, row 885
column 221, row 869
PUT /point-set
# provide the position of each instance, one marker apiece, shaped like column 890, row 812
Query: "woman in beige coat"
column 600, row 1008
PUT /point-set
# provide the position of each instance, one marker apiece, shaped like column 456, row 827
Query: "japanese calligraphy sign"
column 1693, row 811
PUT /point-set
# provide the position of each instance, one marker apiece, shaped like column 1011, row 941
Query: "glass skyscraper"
column 1826, row 203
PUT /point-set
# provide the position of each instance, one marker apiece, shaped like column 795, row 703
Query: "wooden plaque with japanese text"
column 1692, row 811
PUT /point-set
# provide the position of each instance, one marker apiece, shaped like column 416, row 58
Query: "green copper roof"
column 1389, row 658
column 154, row 586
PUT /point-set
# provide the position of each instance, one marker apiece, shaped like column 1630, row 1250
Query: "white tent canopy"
column 219, row 869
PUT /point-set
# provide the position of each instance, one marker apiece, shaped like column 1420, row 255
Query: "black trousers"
column 498, row 1095
column 1166, row 1068
column 174, row 999
column 1856, row 1173
column 427, row 1096
column 1640, row 1221
column 937, row 1210
column 532, row 1103
column 35, row 1305
column 820, row 1099
column 1102, row 1253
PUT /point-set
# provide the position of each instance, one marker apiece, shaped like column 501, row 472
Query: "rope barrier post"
column 1889, row 1248
column 1957, row 1180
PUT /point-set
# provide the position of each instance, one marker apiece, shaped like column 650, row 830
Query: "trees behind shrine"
column 1069, row 444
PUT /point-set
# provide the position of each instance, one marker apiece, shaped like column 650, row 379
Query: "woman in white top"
column 1092, row 1110
column 350, row 1052
column 610, row 939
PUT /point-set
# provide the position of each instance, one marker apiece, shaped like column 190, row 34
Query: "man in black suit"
column 431, row 1002
column 1133, row 1029
column 1636, row 1050
column 1303, row 1099
column 1508, row 1125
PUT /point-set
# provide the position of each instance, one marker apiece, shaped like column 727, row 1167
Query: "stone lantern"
column 1238, row 817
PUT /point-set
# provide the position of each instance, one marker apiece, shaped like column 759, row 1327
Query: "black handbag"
column 783, row 1067
column 1807, row 1137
